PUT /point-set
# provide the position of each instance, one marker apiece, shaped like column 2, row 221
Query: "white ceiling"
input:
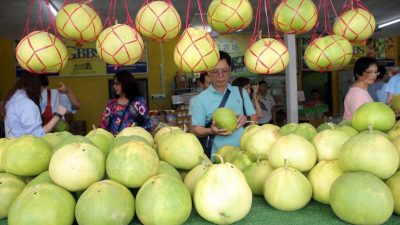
column 13, row 14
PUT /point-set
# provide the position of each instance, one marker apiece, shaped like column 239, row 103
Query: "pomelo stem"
column 219, row 156
column 330, row 124
column 370, row 128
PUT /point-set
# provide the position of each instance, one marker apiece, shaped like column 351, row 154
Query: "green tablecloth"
column 262, row 213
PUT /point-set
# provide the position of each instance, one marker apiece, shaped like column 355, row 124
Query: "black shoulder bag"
column 207, row 141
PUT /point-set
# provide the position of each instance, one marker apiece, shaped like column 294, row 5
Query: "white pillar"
column 291, row 81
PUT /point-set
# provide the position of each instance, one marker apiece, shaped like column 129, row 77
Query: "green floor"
column 261, row 213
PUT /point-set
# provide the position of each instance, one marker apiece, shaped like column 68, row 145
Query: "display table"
column 262, row 214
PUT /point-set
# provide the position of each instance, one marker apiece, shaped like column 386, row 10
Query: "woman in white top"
column 365, row 73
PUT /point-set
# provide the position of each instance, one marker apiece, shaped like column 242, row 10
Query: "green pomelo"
column 122, row 140
column 4, row 142
column 321, row 177
column 76, row 166
column 241, row 160
column 248, row 132
column 326, row 126
column 163, row 200
column 345, row 123
column 348, row 130
column 394, row 185
column 269, row 126
column 105, row 202
column 102, row 131
column 139, row 131
column 376, row 114
column 396, row 142
column 166, row 168
column 225, row 118
column 222, row 195
column 306, row 130
column 101, row 138
column 132, row 163
column 395, row 104
column 181, row 150
column 293, row 150
column 193, row 176
column 260, row 142
column 40, row 179
column 370, row 152
column 287, row 189
column 288, row 128
column 361, row 198
column 163, row 132
column 42, row 204
column 26, row 156
column 223, row 151
column 61, row 125
column 54, row 138
column 231, row 154
column 10, row 187
column 328, row 144
column 72, row 139
column 256, row 174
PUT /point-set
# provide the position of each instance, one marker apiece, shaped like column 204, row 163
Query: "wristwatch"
column 58, row 115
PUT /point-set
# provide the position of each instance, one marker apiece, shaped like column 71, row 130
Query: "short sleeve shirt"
column 208, row 101
column 393, row 86
column 354, row 99
column 56, row 99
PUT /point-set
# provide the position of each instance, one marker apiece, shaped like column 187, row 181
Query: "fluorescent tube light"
column 389, row 23
column 53, row 8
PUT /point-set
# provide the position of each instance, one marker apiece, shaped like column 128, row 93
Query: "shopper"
column 365, row 73
column 20, row 109
column 244, row 83
column 267, row 104
column 205, row 81
column 51, row 98
column 210, row 99
column 128, row 108
column 315, row 99
column 377, row 90
column 393, row 88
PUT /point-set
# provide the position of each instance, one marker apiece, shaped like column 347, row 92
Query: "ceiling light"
column 389, row 23
column 53, row 8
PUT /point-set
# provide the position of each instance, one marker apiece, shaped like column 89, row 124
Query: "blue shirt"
column 393, row 86
column 377, row 91
column 56, row 99
column 22, row 116
column 208, row 101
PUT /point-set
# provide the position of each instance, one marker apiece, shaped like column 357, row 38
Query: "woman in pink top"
column 365, row 72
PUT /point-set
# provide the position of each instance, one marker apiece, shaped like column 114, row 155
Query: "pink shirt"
column 355, row 98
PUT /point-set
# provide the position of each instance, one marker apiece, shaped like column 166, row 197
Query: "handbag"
column 207, row 141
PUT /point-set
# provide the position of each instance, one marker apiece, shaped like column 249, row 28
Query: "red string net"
column 158, row 20
column 40, row 51
column 355, row 23
column 327, row 53
column 78, row 21
column 295, row 16
column 226, row 16
column 267, row 55
column 119, row 44
column 196, row 50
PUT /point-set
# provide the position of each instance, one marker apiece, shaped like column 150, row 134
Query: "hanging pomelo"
column 355, row 25
column 295, row 16
column 328, row 53
column 266, row 56
column 226, row 16
column 41, row 52
column 77, row 21
column 120, row 45
column 196, row 51
column 158, row 20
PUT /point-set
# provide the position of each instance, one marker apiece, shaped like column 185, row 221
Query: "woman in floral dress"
column 128, row 108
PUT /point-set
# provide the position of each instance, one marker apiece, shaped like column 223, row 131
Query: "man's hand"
column 217, row 131
column 241, row 120
column 62, row 88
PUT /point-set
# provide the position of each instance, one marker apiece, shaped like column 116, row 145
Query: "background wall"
column 93, row 90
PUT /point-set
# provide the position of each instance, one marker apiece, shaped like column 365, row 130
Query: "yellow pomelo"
column 196, row 51
column 120, row 45
column 226, row 16
column 77, row 21
column 266, row 56
column 41, row 52
column 328, row 53
column 295, row 16
column 355, row 25
column 159, row 21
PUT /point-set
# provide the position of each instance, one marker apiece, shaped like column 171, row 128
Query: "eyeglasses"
column 224, row 71
column 372, row 73
column 116, row 83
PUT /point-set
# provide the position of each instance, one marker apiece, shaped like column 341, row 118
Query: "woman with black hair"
column 365, row 73
column 20, row 109
column 128, row 108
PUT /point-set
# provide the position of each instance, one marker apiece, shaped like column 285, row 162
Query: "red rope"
column 257, row 21
column 187, row 15
column 201, row 14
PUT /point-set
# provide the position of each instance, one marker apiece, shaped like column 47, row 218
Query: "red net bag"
column 40, row 51
column 158, row 21
column 267, row 55
column 196, row 50
column 119, row 44
column 78, row 21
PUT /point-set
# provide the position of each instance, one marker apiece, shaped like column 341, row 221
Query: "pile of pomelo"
column 101, row 179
